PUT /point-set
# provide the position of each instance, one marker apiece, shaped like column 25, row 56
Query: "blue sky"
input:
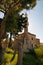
column 1, row 15
column 35, row 18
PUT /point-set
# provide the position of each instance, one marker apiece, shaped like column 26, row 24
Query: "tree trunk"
column 2, row 35
column 1, row 53
column 20, row 54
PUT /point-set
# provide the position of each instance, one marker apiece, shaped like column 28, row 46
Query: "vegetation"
column 12, row 22
column 19, row 4
column 34, row 57
column 9, row 7
column 39, row 52
column 8, row 56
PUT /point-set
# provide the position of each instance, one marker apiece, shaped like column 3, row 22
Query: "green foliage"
column 15, row 23
column 39, row 52
column 8, row 57
column 11, row 24
column 22, row 22
column 34, row 57
column 9, row 50
column 0, row 20
column 13, row 7
column 19, row 4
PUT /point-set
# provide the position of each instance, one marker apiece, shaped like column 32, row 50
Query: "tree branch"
column 2, row 11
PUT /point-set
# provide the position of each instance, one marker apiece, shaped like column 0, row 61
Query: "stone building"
column 38, row 42
column 30, row 41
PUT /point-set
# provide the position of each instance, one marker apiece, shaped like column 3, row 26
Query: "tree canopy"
column 17, row 4
column 10, row 8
